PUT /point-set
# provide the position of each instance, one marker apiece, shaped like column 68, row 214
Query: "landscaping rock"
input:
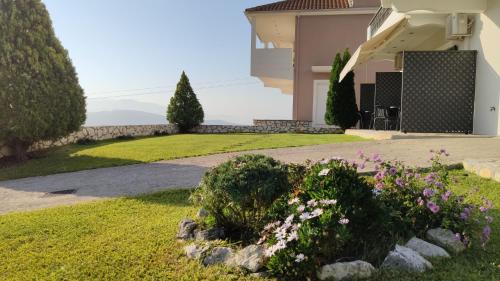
column 403, row 258
column 195, row 252
column 446, row 239
column 186, row 229
column 202, row 213
column 251, row 258
column 210, row 234
column 218, row 255
column 346, row 271
column 426, row 249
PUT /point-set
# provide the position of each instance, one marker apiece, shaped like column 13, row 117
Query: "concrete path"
column 34, row 193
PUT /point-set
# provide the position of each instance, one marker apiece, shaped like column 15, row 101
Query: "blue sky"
column 136, row 44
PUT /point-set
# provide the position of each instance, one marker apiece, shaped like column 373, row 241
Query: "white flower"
column 337, row 158
column 312, row 203
column 304, row 216
column 293, row 201
column 324, row 172
column 317, row 212
column 299, row 257
column 344, row 221
column 292, row 236
column 272, row 225
column 289, row 219
column 301, row 208
column 326, row 202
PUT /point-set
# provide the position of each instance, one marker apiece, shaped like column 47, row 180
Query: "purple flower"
column 428, row 192
column 439, row 184
column 380, row 175
column 399, row 182
column 362, row 165
column 486, row 234
column 458, row 236
column 465, row 214
column 429, row 179
column 487, row 205
column 433, row 207
column 393, row 171
column 376, row 158
column 446, row 195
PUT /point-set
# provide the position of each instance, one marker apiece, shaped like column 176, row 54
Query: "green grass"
column 133, row 239
column 118, row 153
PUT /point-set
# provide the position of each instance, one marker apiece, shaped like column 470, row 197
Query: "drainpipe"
column 296, row 70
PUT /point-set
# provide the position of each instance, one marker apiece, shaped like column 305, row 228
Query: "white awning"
column 366, row 51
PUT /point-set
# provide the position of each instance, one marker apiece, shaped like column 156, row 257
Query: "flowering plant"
column 324, row 219
column 418, row 202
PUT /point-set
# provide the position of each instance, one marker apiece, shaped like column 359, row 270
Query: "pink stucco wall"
column 318, row 39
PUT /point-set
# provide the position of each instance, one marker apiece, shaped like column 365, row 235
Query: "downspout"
column 296, row 70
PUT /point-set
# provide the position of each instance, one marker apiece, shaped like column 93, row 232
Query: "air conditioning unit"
column 457, row 26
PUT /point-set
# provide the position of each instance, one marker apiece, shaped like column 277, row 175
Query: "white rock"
column 426, row 249
column 403, row 258
column 446, row 239
column 218, row 255
column 251, row 258
column 346, row 270
column 195, row 252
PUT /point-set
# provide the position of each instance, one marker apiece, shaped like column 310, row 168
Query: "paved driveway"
column 33, row 193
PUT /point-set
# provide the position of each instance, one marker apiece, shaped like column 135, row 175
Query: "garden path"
column 35, row 192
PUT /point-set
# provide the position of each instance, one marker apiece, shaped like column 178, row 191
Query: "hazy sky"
column 136, row 49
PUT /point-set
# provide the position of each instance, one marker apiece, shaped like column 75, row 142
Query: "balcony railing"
column 273, row 63
column 378, row 20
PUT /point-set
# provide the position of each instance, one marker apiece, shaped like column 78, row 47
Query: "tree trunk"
column 20, row 151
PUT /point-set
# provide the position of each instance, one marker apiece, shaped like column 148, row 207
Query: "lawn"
column 110, row 153
column 133, row 238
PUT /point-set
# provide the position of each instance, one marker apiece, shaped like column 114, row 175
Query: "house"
column 294, row 43
column 446, row 57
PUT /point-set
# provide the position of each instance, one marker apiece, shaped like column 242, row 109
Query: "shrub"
column 40, row 97
column 418, row 202
column 125, row 137
column 330, row 216
column 239, row 192
column 184, row 109
column 341, row 107
column 86, row 141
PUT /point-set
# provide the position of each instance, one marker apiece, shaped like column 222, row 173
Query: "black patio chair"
column 392, row 120
column 379, row 114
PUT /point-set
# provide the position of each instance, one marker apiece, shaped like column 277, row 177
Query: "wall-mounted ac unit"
column 457, row 26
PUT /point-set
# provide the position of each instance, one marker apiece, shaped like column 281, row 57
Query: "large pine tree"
column 184, row 109
column 40, row 97
column 341, row 108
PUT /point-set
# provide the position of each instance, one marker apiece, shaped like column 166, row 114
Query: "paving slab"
column 35, row 192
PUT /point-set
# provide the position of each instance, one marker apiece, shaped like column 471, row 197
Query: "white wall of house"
column 486, row 40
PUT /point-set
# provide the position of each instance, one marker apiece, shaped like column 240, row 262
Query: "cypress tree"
column 184, row 109
column 40, row 97
column 341, row 104
column 332, row 90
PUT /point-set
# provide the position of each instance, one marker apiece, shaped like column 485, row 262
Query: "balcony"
column 274, row 63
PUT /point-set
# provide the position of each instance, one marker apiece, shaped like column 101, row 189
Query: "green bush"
column 184, row 109
column 40, row 97
column 239, row 192
column 332, row 215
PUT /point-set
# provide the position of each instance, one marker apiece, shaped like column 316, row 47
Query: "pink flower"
column 393, row 171
column 379, row 185
column 465, row 214
column 361, row 154
column 362, row 165
column 433, row 207
column 446, row 195
column 376, row 158
column 301, row 208
column 399, row 182
column 420, row 202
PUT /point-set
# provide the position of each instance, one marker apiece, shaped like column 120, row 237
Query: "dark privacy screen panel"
column 438, row 91
column 388, row 89
column 367, row 97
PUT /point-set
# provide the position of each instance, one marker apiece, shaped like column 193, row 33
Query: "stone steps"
column 486, row 168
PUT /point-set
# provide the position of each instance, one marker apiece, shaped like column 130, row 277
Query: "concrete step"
column 486, row 168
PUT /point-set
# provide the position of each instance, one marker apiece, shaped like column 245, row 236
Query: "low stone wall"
column 110, row 132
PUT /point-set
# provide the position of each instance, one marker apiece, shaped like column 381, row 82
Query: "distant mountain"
column 123, row 117
column 134, row 117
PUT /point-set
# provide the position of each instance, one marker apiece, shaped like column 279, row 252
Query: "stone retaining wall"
column 110, row 132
